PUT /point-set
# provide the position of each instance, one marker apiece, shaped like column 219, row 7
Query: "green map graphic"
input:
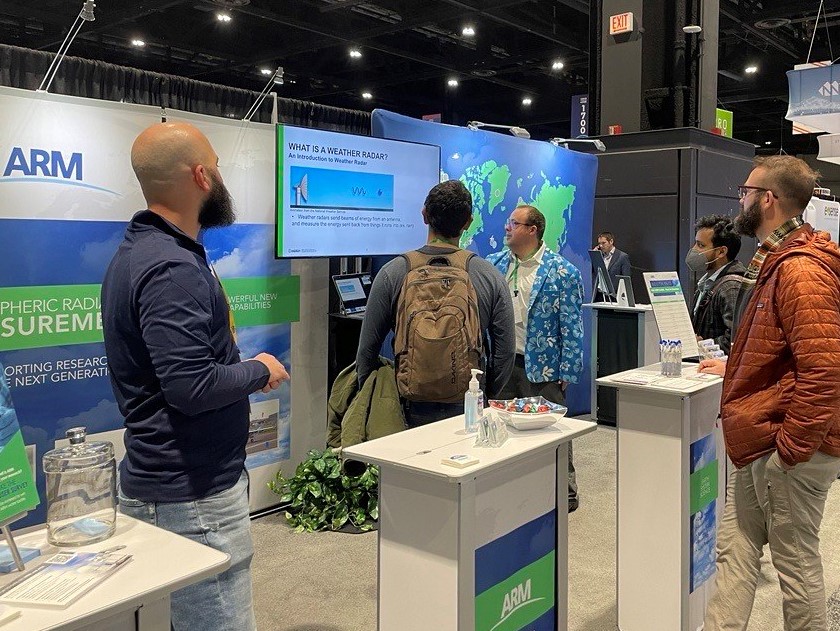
column 491, row 189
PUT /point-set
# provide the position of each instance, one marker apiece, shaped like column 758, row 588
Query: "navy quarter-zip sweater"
column 174, row 366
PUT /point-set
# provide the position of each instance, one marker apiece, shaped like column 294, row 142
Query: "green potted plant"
column 321, row 496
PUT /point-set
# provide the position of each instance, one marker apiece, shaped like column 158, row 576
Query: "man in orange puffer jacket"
column 780, row 407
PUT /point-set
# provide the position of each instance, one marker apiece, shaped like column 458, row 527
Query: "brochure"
column 63, row 578
column 17, row 486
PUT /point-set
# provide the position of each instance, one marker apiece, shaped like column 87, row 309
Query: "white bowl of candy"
column 528, row 413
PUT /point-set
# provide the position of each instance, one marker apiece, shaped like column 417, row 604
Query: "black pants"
column 520, row 386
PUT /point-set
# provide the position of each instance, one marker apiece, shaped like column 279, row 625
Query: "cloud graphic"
column 103, row 417
column 243, row 251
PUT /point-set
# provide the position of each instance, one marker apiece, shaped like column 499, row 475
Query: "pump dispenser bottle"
column 473, row 403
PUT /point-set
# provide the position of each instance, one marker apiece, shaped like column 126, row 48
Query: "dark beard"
column 748, row 220
column 217, row 210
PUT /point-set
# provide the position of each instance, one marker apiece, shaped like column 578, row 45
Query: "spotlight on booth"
column 565, row 142
column 519, row 132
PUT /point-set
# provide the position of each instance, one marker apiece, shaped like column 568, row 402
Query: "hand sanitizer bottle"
column 473, row 403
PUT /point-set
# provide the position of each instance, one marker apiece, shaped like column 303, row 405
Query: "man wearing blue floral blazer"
column 547, row 293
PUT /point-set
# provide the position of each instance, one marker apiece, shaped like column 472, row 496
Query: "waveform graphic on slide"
column 341, row 190
column 302, row 190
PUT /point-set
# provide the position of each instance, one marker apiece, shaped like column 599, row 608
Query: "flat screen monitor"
column 353, row 291
column 347, row 195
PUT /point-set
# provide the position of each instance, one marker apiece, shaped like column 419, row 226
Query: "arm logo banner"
column 67, row 192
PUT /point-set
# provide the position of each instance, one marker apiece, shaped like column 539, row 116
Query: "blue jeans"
column 221, row 521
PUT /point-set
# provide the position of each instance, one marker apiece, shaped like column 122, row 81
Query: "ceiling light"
column 751, row 69
column 768, row 142
column 266, row 71
column 527, row 100
column 138, row 42
column 355, row 53
column 557, row 65
column 452, row 83
column 367, row 95
column 468, row 31
column 223, row 17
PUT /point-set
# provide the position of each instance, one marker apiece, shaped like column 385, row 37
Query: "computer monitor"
column 353, row 291
column 602, row 283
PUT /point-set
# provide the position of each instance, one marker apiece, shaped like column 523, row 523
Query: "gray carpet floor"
column 327, row 581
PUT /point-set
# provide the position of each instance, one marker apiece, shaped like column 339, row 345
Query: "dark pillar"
column 657, row 76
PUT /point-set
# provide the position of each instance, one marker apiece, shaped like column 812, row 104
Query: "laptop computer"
column 353, row 291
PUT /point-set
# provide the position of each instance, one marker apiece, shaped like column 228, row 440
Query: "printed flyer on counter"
column 17, row 487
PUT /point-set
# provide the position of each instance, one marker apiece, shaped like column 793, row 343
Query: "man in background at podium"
column 616, row 261
column 547, row 292
column 715, row 247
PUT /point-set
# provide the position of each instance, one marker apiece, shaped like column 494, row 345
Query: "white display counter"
column 484, row 547
column 137, row 596
column 670, row 493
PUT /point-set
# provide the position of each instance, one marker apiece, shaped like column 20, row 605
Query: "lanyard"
column 514, row 275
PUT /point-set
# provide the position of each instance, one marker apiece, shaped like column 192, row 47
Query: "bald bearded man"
column 177, row 375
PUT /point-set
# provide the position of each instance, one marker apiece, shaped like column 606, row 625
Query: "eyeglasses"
column 512, row 224
column 744, row 190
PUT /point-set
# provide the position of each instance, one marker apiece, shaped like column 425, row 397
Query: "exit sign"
column 621, row 23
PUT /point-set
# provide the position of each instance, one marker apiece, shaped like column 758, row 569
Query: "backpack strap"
column 456, row 258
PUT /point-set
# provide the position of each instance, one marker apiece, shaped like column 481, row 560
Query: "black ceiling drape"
column 25, row 68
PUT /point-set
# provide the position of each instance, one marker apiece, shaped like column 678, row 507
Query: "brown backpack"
column 437, row 338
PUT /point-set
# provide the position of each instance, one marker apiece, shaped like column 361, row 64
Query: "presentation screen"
column 347, row 195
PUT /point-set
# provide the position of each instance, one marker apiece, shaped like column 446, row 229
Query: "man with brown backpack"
column 450, row 311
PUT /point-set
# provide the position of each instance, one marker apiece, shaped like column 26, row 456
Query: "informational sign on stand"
column 17, row 487
column 670, row 310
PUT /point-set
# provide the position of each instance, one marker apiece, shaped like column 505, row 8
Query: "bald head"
column 165, row 155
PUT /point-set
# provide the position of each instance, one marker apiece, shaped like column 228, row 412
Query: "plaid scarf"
column 769, row 245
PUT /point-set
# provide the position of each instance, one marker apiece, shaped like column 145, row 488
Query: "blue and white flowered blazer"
column 554, row 334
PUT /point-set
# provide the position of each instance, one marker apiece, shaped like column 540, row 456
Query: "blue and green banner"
column 515, row 579
column 501, row 172
column 703, row 492
column 67, row 192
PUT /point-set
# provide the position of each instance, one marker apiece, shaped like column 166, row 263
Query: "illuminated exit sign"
column 621, row 23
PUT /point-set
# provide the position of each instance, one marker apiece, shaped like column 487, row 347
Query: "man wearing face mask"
column 780, row 407
column 177, row 376
column 713, row 255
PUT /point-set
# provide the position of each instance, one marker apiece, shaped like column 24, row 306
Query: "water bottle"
column 678, row 359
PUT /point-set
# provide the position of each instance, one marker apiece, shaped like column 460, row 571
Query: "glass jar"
column 81, row 491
